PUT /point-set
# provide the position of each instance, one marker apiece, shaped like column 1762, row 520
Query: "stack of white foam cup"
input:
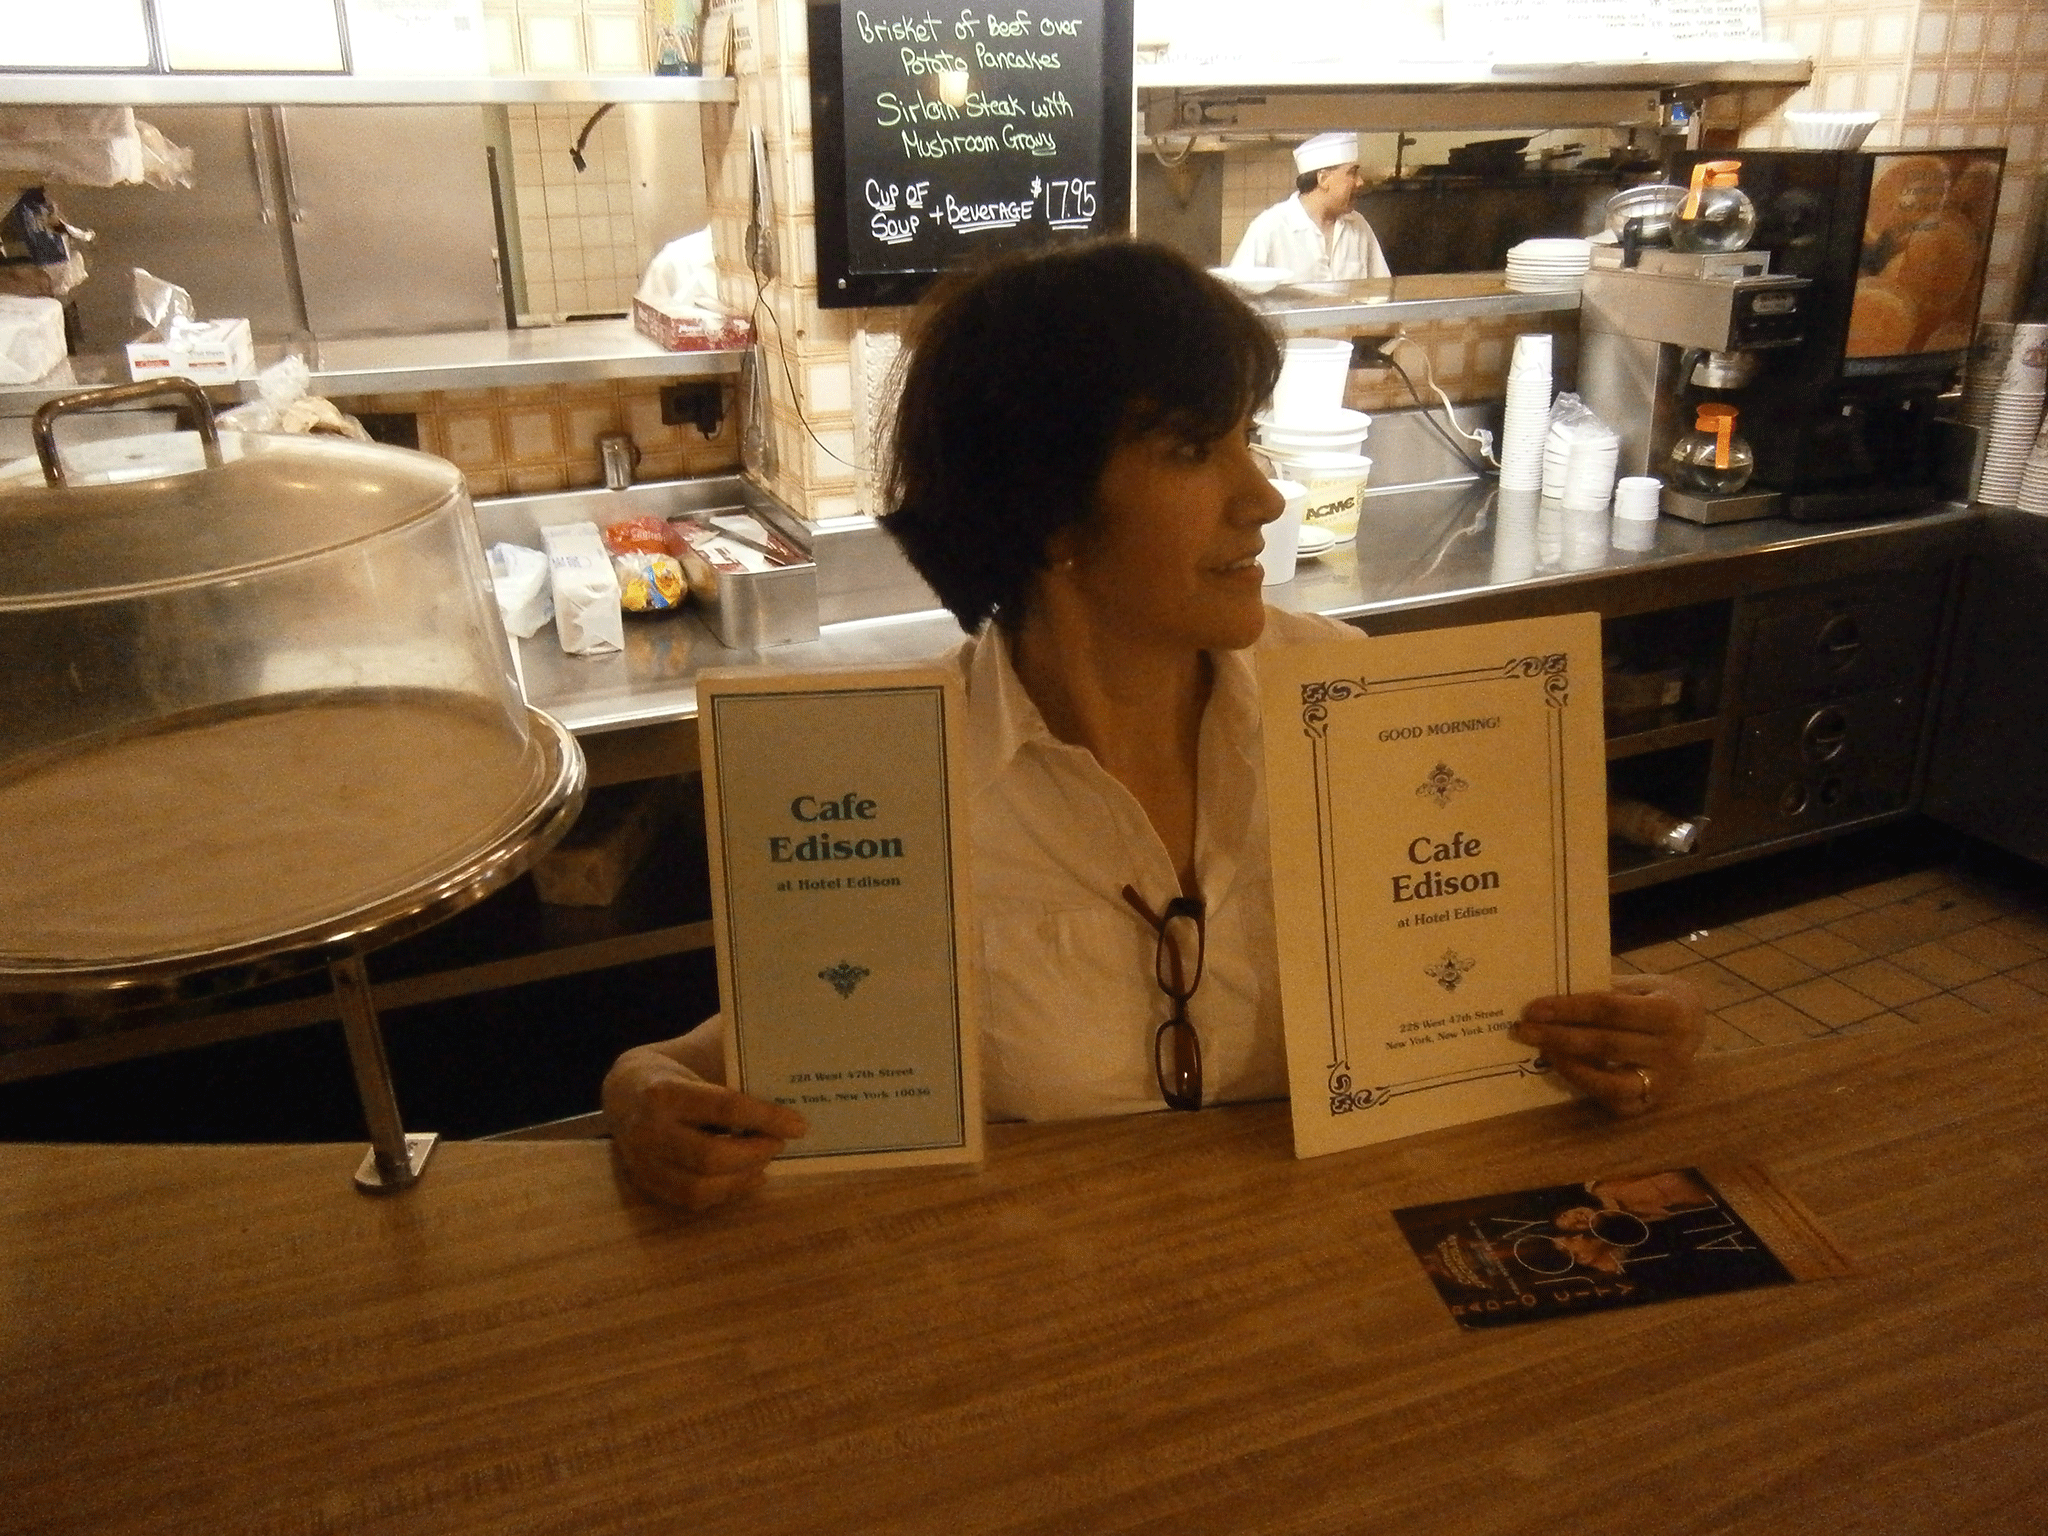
column 1636, row 500
column 2005, row 387
column 1525, row 415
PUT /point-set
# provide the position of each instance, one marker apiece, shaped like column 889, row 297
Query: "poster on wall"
column 943, row 135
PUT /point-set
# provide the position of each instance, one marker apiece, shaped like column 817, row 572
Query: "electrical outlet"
column 698, row 405
column 1373, row 352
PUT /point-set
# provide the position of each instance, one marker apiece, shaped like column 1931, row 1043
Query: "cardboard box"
column 207, row 352
column 692, row 332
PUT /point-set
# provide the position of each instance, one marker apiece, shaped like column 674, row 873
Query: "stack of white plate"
column 1549, row 266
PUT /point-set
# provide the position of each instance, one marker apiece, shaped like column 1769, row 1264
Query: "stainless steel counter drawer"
column 1827, row 642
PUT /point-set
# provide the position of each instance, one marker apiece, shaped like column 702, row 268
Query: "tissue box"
column 692, row 330
column 31, row 338
column 207, row 352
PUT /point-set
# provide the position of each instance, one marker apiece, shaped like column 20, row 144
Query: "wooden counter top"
column 1164, row 1324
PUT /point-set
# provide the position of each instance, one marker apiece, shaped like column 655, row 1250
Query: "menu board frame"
column 842, row 287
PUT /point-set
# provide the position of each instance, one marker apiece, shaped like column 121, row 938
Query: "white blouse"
column 1070, row 1004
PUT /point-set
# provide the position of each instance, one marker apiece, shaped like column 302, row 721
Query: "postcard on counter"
column 1439, row 836
column 840, row 908
column 1532, row 1254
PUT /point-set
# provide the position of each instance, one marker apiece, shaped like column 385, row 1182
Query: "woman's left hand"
column 1630, row 1048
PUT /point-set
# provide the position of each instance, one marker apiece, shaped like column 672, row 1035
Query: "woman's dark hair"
column 1021, row 379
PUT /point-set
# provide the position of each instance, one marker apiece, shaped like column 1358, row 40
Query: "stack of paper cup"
column 1525, row 417
column 1636, row 505
column 1312, row 375
column 2005, row 388
column 1283, row 536
column 1585, row 537
column 1514, row 537
column 2033, row 495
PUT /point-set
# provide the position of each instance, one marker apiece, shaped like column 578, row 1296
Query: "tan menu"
column 1439, row 832
column 839, row 904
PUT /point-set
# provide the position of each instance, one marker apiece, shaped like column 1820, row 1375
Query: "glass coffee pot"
column 1712, row 458
column 1717, row 214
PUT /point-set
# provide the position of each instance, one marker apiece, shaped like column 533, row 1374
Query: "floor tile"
column 1623, row 966
column 1766, row 926
column 1659, row 959
column 1899, row 887
column 1879, row 932
column 1939, row 964
column 2000, row 994
column 1889, row 984
column 2033, row 974
column 1723, row 1036
column 1719, row 987
column 1822, row 950
column 1875, row 1021
column 1830, row 1001
column 1942, row 1008
column 1773, row 1021
column 2023, row 923
column 1824, row 909
column 1937, row 914
column 1712, row 943
column 1995, row 947
column 1768, row 966
column 1884, row 892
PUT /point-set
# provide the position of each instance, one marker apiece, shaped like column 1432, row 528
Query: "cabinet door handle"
column 1824, row 736
column 1839, row 640
column 296, row 209
column 266, row 190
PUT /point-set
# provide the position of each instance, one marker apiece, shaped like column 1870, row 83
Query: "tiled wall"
column 581, row 250
column 1942, row 73
column 569, row 37
column 543, row 437
column 811, row 465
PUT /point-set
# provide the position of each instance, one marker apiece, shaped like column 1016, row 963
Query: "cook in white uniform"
column 1316, row 234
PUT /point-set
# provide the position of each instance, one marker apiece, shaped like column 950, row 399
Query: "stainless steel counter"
column 1425, row 556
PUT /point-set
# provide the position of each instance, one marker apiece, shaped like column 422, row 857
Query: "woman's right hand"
column 687, row 1142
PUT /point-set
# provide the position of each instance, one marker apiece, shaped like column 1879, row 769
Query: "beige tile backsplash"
column 543, row 437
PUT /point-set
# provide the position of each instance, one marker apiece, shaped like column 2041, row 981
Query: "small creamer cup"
column 1283, row 535
column 1638, row 497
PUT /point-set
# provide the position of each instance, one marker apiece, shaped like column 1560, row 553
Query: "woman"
column 1073, row 474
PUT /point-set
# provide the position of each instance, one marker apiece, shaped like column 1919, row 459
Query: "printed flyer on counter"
column 839, row 890
column 1532, row 1254
column 1439, row 835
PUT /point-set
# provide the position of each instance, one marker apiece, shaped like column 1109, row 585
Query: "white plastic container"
column 1338, row 431
column 1312, row 374
column 1336, row 484
column 1283, row 536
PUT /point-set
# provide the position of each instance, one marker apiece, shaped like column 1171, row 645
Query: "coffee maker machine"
column 1667, row 330
column 1893, row 245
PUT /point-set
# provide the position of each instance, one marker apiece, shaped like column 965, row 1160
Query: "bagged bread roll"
column 588, row 620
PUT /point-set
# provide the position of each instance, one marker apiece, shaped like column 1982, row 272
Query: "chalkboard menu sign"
column 942, row 133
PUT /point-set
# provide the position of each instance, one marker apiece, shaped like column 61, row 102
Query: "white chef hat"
column 1323, row 150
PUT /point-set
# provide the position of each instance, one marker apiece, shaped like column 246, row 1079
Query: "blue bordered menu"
column 839, row 903
column 1439, row 838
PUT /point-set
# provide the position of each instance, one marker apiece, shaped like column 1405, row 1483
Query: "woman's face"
column 1171, row 556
